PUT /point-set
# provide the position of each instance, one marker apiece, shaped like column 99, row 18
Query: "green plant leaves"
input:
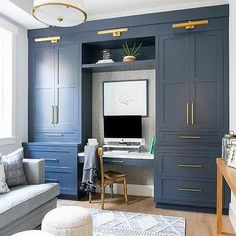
column 130, row 51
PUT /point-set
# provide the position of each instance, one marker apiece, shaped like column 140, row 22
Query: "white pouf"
column 68, row 221
column 32, row 233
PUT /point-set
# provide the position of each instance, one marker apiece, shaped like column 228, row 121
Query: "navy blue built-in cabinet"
column 56, row 112
column 191, row 98
column 192, row 116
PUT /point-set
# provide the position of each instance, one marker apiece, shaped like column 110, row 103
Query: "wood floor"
column 197, row 224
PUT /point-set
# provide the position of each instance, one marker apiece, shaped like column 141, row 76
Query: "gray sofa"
column 24, row 207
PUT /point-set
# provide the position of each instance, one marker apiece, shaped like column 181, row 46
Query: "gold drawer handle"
column 54, row 135
column 187, row 113
column 190, row 165
column 190, row 137
column 193, row 118
column 189, row 190
column 51, row 159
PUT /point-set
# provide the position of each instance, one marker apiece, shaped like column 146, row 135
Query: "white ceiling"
column 20, row 10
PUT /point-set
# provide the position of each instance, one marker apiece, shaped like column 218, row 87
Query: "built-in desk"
column 131, row 158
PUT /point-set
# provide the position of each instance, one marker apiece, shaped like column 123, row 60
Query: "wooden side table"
column 230, row 176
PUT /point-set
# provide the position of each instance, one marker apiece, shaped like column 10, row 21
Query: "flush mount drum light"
column 62, row 13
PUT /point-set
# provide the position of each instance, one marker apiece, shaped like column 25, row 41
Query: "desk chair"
column 109, row 178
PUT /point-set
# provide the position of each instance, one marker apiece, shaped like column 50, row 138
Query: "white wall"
column 232, row 86
column 21, row 95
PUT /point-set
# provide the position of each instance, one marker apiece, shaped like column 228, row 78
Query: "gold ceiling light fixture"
column 61, row 13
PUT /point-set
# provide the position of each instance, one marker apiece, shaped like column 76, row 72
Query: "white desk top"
column 130, row 155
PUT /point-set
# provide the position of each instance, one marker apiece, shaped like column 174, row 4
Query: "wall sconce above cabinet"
column 52, row 39
column 190, row 24
column 114, row 32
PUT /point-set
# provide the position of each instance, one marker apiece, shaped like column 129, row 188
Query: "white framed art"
column 126, row 97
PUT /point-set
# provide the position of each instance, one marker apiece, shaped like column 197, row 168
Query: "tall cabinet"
column 54, row 94
column 192, row 117
column 56, row 106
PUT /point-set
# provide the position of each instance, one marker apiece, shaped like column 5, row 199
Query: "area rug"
column 117, row 223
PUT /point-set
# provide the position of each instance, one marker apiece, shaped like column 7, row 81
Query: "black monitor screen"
column 122, row 126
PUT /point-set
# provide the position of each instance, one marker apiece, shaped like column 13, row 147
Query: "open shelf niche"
column 92, row 52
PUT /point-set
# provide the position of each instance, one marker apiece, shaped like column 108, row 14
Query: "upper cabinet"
column 42, row 95
column 206, row 75
column 191, row 80
column 54, row 92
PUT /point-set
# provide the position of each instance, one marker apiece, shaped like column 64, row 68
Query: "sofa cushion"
column 23, row 199
column 13, row 165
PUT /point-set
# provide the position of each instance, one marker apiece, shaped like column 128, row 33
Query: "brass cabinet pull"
column 51, row 159
column 54, row 135
column 190, row 137
column 187, row 113
column 193, row 113
column 110, row 162
column 52, row 180
column 56, row 115
column 52, row 115
column 189, row 165
column 189, row 190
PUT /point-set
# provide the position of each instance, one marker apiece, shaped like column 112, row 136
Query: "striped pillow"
column 3, row 185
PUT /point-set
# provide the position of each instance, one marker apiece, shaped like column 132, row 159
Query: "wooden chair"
column 109, row 178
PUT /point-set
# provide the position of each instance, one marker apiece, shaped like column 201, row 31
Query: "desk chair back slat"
column 109, row 178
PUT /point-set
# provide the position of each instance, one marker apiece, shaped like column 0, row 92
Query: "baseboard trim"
column 133, row 189
column 232, row 216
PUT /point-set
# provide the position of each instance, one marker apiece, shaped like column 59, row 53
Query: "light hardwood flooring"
column 197, row 224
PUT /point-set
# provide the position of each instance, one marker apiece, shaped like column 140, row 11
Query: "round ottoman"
column 32, row 233
column 68, row 221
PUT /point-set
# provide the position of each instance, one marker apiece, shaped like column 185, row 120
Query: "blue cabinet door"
column 207, row 80
column 54, row 90
column 66, row 88
column 42, row 89
column 191, row 75
column 173, row 94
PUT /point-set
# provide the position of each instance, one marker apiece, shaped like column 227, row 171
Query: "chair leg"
column 111, row 187
column 102, row 195
column 90, row 197
column 125, row 191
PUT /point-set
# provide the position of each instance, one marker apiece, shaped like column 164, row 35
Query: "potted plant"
column 130, row 53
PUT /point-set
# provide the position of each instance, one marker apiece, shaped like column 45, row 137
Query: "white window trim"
column 7, row 141
column 12, row 28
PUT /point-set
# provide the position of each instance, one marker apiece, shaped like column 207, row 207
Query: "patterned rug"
column 117, row 223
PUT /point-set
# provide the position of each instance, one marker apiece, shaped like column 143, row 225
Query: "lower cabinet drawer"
column 55, row 136
column 187, row 166
column 190, row 138
column 55, row 158
column 189, row 190
column 64, row 176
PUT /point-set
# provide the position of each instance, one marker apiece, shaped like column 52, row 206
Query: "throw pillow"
column 3, row 185
column 13, row 166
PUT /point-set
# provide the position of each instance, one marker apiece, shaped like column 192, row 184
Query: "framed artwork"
column 127, row 97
